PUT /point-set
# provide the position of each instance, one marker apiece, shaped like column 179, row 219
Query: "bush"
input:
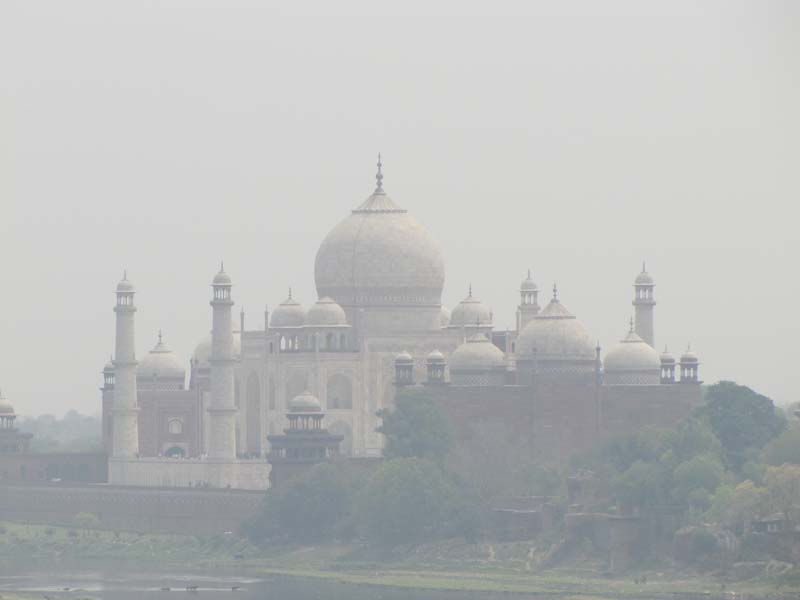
column 416, row 428
column 411, row 500
column 309, row 507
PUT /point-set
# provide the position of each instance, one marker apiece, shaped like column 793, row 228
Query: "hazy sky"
column 576, row 139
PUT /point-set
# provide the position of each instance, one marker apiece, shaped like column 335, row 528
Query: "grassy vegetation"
column 442, row 566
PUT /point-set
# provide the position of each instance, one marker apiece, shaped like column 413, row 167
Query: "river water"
column 114, row 584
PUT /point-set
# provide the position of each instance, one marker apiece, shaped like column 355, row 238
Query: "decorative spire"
column 159, row 336
column 290, row 292
column 529, row 273
column 555, row 291
column 666, row 350
column 125, row 275
column 644, row 267
column 222, row 266
column 379, row 176
column 470, row 291
column 631, row 323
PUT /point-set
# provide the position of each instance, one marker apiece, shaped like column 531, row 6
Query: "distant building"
column 378, row 323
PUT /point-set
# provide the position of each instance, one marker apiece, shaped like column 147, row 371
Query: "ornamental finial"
column 159, row 336
column 555, row 291
column 379, row 175
column 631, row 324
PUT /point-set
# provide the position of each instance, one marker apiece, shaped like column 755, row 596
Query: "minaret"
column 221, row 407
column 126, row 411
column 644, row 302
column 528, row 303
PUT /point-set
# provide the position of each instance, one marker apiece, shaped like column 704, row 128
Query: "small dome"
column 632, row 354
column 644, row 278
column 689, row 356
column 305, row 402
column 529, row 285
column 6, row 410
column 161, row 362
column 556, row 333
column 404, row 357
column 666, row 357
column 444, row 318
column 290, row 313
column 435, row 357
column 222, row 278
column 125, row 285
column 109, row 368
column 325, row 313
column 477, row 353
column 471, row 312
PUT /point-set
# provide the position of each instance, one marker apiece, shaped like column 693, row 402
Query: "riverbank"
column 508, row 568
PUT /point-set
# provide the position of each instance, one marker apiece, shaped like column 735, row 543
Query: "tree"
column 783, row 488
column 412, row 500
column 86, row 521
column 700, row 473
column 308, row 508
column 642, row 485
column 784, row 449
column 741, row 419
column 416, row 428
column 737, row 507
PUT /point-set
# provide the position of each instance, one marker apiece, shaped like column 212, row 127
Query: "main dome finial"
column 379, row 176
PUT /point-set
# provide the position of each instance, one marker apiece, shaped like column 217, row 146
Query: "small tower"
column 304, row 443
column 689, row 366
column 12, row 441
column 667, row 367
column 644, row 302
column 529, row 302
column 221, row 407
column 125, row 414
column 436, row 365
column 403, row 369
column 107, row 395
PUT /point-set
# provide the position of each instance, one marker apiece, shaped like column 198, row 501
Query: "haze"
column 575, row 139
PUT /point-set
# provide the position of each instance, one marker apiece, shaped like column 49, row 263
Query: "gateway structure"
column 378, row 322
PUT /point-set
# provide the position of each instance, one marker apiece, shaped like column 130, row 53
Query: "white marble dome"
column 477, row 353
column 325, row 313
column 689, row 356
column 289, row 313
column 305, row 402
column 125, row 285
column 380, row 256
column 161, row 363
column 528, row 284
column 471, row 312
column 6, row 410
column 632, row 354
column 555, row 333
column 222, row 278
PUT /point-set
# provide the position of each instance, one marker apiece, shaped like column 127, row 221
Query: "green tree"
column 412, row 500
column 736, row 507
column 641, row 485
column 741, row 419
column 703, row 472
column 309, row 507
column 783, row 489
column 646, row 446
column 86, row 521
column 784, row 449
column 416, row 428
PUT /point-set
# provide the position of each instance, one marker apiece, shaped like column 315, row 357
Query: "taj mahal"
column 378, row 325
